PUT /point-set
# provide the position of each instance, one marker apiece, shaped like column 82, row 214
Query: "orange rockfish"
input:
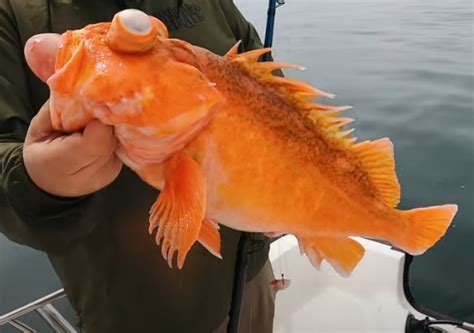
column 226, row 142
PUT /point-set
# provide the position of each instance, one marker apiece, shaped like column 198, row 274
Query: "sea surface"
column 407, row 67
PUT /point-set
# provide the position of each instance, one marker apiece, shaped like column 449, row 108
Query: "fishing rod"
column 271, row 13
column 241, row 264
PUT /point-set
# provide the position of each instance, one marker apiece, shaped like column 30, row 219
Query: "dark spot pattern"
column 287, row 126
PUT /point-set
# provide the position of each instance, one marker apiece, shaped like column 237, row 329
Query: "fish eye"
column 136, row 21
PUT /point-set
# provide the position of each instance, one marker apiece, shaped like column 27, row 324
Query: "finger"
column 93, row 164
column 108, row 173
column 40, row 54
column 112, row 169
column 88, row 151
column 90, row 181
column 40, row 127
column 99, row 139
column 79, row 164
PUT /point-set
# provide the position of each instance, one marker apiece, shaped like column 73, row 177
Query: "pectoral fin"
column 179, row 210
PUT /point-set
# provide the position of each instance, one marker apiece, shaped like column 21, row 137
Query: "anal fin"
column 342, row 253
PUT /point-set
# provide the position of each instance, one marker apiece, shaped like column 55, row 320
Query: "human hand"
column 70, row 165
column 62, row 164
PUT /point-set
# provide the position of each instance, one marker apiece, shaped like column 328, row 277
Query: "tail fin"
column 341, row 252
column 425, row 227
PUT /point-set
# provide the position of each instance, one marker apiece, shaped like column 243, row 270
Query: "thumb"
column 40, row 54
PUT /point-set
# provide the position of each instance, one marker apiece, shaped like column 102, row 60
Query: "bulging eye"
column 133, row 31
column 136, row 22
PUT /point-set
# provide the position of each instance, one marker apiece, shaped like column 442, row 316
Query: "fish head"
column 108, row 50
column 127, row 72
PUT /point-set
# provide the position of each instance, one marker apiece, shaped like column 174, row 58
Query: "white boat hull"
column 370, row 300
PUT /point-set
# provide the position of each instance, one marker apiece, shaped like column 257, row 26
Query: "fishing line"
column 280, row 264
column 253, row 293
column 283, row 266
column 286, row 269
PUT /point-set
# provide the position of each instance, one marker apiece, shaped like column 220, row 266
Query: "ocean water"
column 407, row 68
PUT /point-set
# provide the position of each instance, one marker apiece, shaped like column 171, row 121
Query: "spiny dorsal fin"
column 327, row 117
column 234, row 50
column 296, row 93
column 250, row 56
column 375, row 156
column 378, row 161
column 270, row 66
